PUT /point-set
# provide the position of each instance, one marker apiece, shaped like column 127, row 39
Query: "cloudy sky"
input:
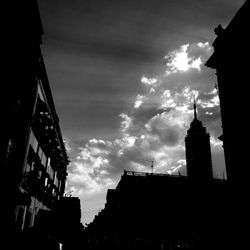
column 124, row 74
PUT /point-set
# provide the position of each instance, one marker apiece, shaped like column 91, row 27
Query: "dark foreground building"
column 67, row 226
column 160, row 211
column 33, row 156
column 231, row 62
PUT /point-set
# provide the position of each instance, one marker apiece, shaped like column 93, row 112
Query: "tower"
column 198, row 151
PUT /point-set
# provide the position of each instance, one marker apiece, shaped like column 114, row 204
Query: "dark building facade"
column 160, row 211
column 67, row 225
column 33, row 156
column 230, row 59
column 198, row 151
column 231, row 62
column 43, row 163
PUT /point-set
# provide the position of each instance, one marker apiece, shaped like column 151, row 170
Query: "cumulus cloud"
column 148, row 81
column 179, row 166
column 179, row 60
column 126, row 122
column 155, row 127
column 169, row 126
column 139, row 101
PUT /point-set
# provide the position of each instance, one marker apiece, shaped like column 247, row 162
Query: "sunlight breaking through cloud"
column 156, row 125
column 180, row 60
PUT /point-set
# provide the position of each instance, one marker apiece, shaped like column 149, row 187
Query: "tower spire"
column 198, row 150
column 195, row 110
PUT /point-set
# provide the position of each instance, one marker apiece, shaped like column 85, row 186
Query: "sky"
column 124, row 75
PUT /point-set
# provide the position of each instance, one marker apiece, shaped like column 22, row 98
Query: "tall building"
column 33, row 156
column 230, row 59
column 198, row 151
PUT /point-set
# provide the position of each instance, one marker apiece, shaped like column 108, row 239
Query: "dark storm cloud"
column 169, row 134
column 93, row 88
column 142, row 116
column 96, row 51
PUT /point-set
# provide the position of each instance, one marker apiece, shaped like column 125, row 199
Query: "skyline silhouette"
column 116, row 70
column 159, row 137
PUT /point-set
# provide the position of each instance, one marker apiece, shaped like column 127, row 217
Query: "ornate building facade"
column 33, row 155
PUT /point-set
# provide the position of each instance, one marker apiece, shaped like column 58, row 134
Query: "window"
column 48, row 162
column 55, row 180
column 27, row 219
column 19, row 217
column 44, row 160
column 59, row 185
column 10, row 143
column 50, row 171
column 40, row 152
column 33, row 141
column 31, row 159
column 28, row 167
column 46, row 181
column 40, row 94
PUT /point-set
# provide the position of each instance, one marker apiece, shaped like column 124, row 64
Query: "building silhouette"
column 231, row 63
column 232, row 70
column 33, row 156
column 198, row 151
column 67, row 227
column 162, row 211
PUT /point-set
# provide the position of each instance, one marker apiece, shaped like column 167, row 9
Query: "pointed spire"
column 195, row 110
column 152, row 166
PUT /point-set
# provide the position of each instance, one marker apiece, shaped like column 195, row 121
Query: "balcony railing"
column 35, row 183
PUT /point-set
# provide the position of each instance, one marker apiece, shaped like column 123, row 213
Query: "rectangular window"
column 28, row 167
column 46, row 182
column 40, row 152
column 40, row 94
column 30, row 160
column 19, row 217
column 54, row 175
column 59, row 185
column 10, row 144
column 27, row 219
column 33, row 141
column 44, row 160
column 50, row 171
column 48, row 163
column 55, row 180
